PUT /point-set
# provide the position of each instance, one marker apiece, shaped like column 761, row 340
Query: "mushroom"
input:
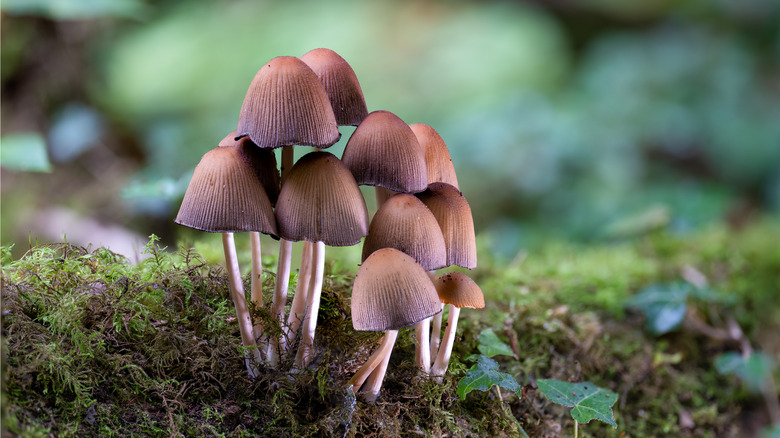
column 403, row 222
column 341, row 83
column 457, row 290
column 437, row 158
column 384, row 152
column 391, row 291
column 226, row 196
column 319, row 202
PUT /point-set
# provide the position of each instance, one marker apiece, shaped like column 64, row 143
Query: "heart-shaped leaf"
column 490, row 345
column 484, row 375
column 588, row 400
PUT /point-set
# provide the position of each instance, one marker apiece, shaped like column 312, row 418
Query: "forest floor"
column 96, row 346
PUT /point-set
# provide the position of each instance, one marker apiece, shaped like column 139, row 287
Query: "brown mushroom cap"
column 225, row 195
column 391, row 291
column 383, row 151
column 458, row 289
column 437, row 158
column 263, row 162
column 341, row 83
column 321, row 202
column 286, row 104
column 405, row 223
column 453, row 213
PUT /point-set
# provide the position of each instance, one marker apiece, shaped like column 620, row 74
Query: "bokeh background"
column 580, row 120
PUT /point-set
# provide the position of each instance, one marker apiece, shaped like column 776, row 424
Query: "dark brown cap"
column 391, row 291
column 437, row 157
column 341, row 83
column 263, row 162
column 453, row 213
column 321, row 202
column 286, row 104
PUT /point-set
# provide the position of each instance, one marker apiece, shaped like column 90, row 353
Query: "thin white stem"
column 280, row 295
column 422, row 351
column 445, row 351
column 373, row 384
column 298, row 308
column 252, row 355
column 385, row 348
column 436, row 333
column 257, row 276
column 306, row 348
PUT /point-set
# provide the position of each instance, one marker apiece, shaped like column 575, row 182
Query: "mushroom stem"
column 374, row 381
column 280, row 295
column 445, row 351
column 305, row 350
column 252, row 355
column 299, row 300
column 382, row 195
column 257, row 276
column 385, row 348
column 436, row 333
column 422, row 351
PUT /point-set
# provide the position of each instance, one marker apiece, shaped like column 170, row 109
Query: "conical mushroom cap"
column 225, row 195
column 383, row 151
column 321, row 202
column 286, row 104
column 437, row 158
column 263, row 162
column 459, row 290
column 341, row 83
column 453, row 213
column 391, row 291
column 406, row 224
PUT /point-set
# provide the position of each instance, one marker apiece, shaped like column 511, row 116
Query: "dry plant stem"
column 445, row 351
column 373, row 383
column 257, row 273
column 298, row 308
column 422, row 350
column 280, row 295
column 306, row 348
column 252, row 356
column 385, row 348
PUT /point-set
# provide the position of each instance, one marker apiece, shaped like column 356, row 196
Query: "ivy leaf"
column 754, row 371
column 490, row 345
column 588, row 400
column 663, row 305
column 484, row 375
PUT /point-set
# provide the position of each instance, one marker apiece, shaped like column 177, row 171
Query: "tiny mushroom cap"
column 286, row 104
column 458, row 289
column 383, row 151
column 403, row 222
column 321, row 202
column 263, row 162
column 391, row 291
column 453, row 213
column 225, row 195
column 437, row 157
column 341, row 83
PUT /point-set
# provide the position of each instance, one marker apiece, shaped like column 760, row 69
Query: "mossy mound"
column 95, row 346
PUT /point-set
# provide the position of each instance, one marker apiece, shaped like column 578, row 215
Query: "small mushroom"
column 341, row 83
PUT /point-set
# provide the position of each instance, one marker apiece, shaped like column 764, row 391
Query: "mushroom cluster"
column 422, row 223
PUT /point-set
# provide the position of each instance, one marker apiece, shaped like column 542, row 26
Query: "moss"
column 96, row 346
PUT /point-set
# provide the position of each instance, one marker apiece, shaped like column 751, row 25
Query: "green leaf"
column 663, row 305
column 24, row 152
column 588, row 400
column 754, row 371
column 484, row 375
column 490, row 345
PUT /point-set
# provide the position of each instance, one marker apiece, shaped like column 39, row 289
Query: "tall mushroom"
column 320, row 202
column 437, row 157
column 391, row 291
column 226, row 196
column 457, row 290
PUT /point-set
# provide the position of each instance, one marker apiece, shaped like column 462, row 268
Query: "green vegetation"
column 95, row 346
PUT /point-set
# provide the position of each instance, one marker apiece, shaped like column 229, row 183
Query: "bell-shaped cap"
column 437, row 157
column 453, row 213
column 459, row 290
column 391, row 291
column 286, row 104
column 341, row 83
column 321, row 202
column 263, row 162
column 403, row 222
column 225, row 195
column 383, row 151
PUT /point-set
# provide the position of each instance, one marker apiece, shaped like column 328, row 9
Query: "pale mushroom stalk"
column 422, row 350
column 298, row 307
column 257, row 277
column 305, row 350
column 373, row 383
column 252, row 356
column 384, row 350
column 436, row 333
column 445, row 351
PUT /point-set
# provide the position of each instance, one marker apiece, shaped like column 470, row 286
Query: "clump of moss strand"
column 96, row 346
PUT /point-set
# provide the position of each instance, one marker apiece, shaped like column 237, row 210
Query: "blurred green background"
column 589, row 120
